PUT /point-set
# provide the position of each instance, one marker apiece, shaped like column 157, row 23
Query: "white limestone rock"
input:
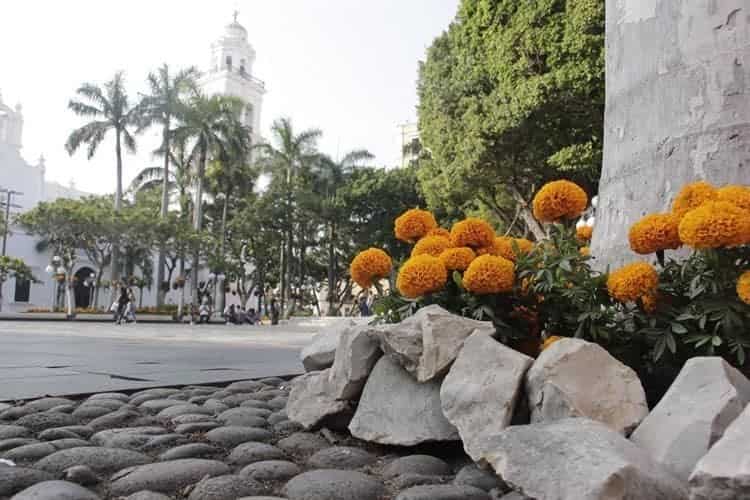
column 575, row 378
column 311, row 399
column 395, row 409
column 356, row 355
column 704, row 399
column 426, row 343
column 724, row 472
column 319, row 353
column 578, row 459
column 480, row 392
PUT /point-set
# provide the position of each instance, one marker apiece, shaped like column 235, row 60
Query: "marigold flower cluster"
column 633, row 281
column 584, row 233
column 743, row 287
column 715, row 224
column 439, row 231
column 736, row 195
column 489, row 274
column 692, row 196
column 457, row 259
column 655, row 232
column 370, row 265
column 431, row 245
column 420, row 275
column 472, row 232
column 559, row 200
column 414, row 224
column 585, row 251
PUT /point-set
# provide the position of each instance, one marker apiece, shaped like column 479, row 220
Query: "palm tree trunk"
column 222, row 292
column 282, row 270
column 331, row 267
column 115, row 262
column 161, row 260
column 198, row 221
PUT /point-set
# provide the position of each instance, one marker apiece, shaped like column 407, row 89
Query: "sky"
column 348, row 67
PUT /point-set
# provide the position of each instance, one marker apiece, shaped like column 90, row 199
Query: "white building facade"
column 229, row 72
column 29, row 181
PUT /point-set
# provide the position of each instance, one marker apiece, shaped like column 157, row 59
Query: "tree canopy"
column 512, row 96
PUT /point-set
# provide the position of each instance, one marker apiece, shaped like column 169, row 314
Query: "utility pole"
column 8, row 203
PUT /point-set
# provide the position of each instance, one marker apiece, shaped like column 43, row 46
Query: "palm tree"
column 213, row 124
column 159, row 108
column 291, row 154
column 330, row 176
column 110, row 110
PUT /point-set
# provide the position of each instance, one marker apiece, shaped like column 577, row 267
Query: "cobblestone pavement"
column 211, row 443
column 54, row 358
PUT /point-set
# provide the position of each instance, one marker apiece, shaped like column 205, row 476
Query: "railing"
column 244, row 74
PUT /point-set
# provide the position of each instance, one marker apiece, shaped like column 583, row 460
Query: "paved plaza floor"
column 63, row 358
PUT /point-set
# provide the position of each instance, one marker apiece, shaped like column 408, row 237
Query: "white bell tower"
column 230, row 72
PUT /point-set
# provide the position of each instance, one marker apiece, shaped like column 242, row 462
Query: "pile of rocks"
column 571, row 425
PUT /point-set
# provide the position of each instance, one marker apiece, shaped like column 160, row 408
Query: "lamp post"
column 53, row 269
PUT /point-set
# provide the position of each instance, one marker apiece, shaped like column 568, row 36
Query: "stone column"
column 677, row 108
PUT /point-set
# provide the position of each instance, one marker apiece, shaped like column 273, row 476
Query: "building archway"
column 82, row 291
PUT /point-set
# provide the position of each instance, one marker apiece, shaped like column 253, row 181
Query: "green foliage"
column 511, row 96
column 698, row 312
column 11, row 267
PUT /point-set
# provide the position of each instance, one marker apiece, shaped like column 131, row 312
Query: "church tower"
column 230, row 72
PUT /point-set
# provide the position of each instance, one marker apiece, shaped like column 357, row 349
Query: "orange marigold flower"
column 472, row 232
column 715, row 224
column 584, row 233
column 559, row 200
column 420, row 275
column 504, row 247
column 649, row 302
column 692, row 196
column 457, row 259
column 743, row 287
column 414, row 224
column 524, row 245
column 550, row 340
column 633, row 281
column 369, row 265
column 489, row 274
column 585, row 251
column 439, row 231
column 655, row 232
column 431, row 245
column 736, row 195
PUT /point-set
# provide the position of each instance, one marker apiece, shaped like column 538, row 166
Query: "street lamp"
column 91, row 282
column 52, row 270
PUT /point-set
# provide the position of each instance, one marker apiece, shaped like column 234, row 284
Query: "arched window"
column 229, row 63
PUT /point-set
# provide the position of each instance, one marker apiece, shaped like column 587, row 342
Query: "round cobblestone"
column 271, row 470
column 334, row 485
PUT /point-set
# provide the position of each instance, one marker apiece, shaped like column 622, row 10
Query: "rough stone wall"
column 677, row 108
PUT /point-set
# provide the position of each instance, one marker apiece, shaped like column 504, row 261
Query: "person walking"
column 122, row 303
column 364, row 307
column 274, row 312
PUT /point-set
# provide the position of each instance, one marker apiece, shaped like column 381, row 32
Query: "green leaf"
column 458, row 279
column 717, row 341
column 678, row 328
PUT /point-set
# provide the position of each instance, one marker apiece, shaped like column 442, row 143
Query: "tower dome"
column 235, row 30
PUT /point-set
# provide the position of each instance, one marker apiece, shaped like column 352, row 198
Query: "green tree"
column 512, row 96
column 286, row 159
column 160, row 107
column 331, row 177
column 213, row 124
column 110, row 110
column 11, row 267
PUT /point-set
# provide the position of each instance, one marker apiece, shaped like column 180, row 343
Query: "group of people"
column 237, row 316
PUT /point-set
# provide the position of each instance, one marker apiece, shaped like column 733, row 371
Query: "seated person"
column 229, row 314
column 252, row 316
